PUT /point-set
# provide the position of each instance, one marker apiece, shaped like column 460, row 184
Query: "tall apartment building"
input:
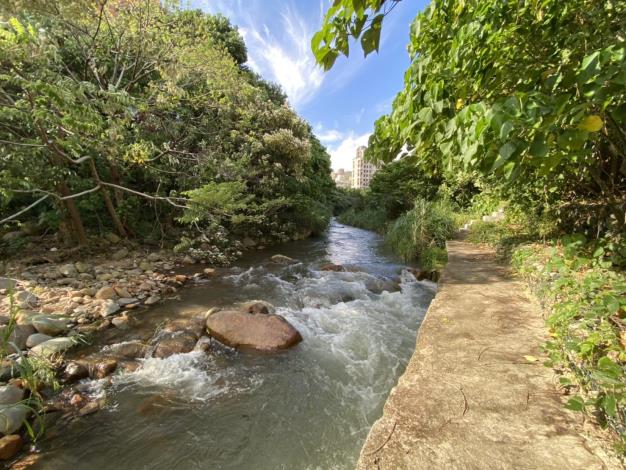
column 362, row 171
column 342, row 178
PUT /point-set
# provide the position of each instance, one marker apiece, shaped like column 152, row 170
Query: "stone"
column 9, row 394
column 121, row 322
column 75, row 371
column 104, row 368
column 332, row 267
column 194, row 325
column 26, row 299
column 88, row 291
column 35, row 339
column 154, row 257
column 120, row 254
column 180, row 278
column 109, row 307
column 243, row 330
column 209, row 272
column 10, row 236
column 121, row 291
column 153, row 299
column 257, row 306
column 146, row 266
column 7, row 283
column 81, row 267
column 105, row 293
column 104, row 277
column 127, row 301
column 10, row 445
column 12, row 417
column 77, row 400
column 211, row 311
column 126, row 350
column 68, row 270
column 89, row 408
column 189, row 260
column 111, row 237
column 282, row 259
column 18, row 336
column 203, row 344
column 49, row 325
column 248, row 242
column 175, row 343
column 52, row 347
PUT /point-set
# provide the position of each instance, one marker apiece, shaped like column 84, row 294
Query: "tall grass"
column 421, row 233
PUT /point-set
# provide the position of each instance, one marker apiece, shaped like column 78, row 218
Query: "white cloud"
column 327, row 136
column 280, row 52
column 341, row 155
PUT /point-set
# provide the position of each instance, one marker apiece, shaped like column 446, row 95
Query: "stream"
column 309, row 407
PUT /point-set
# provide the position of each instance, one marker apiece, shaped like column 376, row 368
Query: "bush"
column 586, row 299
column 422, row 229
column 368, row 218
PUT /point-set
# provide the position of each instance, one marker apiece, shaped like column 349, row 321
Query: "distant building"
column 342, row 178
column 362, row 171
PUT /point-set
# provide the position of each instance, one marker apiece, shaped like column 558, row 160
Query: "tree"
column 531, row 91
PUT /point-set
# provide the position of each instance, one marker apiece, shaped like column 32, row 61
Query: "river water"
column 310, row 407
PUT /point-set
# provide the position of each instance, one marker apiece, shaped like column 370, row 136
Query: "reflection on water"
column 307, row 408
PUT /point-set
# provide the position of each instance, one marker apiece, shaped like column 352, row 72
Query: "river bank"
column 475, row 393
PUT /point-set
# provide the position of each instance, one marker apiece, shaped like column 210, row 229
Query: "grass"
column 35, row 372
column 421, row 233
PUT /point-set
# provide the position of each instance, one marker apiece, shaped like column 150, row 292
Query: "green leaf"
column 539, row 147
column 591, row 123
column 576, row 404
column 609, row 403
column 371, row 38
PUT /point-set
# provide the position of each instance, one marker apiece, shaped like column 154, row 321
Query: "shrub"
column 586, row 299
column 369, row 218
column 425, row 227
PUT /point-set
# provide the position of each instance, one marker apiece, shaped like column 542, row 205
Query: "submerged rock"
column 175, row 343
column 248, row 331
column 332, row 267
column 257, row 306
column 282, row 259
column 127, row 350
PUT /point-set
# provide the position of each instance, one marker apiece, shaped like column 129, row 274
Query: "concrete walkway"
column 469, row 399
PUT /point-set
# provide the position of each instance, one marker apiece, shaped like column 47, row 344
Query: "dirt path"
column 469, row 399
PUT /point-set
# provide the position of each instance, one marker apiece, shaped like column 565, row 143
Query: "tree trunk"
column 74, row 214
column 117, row 223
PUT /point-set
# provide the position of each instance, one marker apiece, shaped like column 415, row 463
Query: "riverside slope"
column 468, row 398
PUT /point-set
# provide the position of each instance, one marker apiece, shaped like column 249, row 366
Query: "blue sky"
column 341, row 104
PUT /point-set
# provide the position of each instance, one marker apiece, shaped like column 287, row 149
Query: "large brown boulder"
column 244, row 330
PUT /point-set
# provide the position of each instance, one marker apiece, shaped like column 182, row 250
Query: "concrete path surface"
column 469, row 399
